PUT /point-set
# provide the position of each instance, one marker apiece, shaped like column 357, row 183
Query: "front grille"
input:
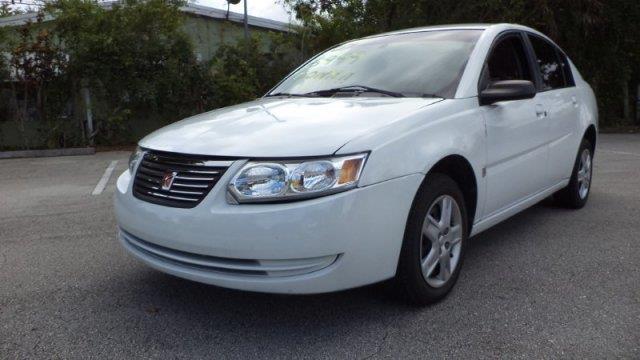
column 193, row 177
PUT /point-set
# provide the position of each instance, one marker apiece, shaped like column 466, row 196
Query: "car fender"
column 416, row 144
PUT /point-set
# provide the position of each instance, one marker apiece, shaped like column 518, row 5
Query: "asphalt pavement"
column 548, row 283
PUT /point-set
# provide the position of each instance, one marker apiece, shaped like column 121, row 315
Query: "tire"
column 576, row 194
column 422, row 288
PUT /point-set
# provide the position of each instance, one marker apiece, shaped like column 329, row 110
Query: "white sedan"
column 377, row 158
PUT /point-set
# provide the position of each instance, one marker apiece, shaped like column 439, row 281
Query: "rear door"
column 516, row 130
column 557, row 92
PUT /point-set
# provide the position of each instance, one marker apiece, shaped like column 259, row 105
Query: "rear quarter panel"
column 588, row 106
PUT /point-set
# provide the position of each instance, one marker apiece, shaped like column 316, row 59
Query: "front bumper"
column 313, row 246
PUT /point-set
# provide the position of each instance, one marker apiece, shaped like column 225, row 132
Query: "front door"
column 517, row 131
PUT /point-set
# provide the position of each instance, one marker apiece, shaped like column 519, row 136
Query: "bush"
column 36, row 87
column 247, row 69
column 135, row 63
column 135, row 59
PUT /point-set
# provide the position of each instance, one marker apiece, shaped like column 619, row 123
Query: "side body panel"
column 517, row 152
column 587, row 108
column 562, row 137
column 562, row 122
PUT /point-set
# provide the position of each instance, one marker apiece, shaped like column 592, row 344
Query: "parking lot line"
column 619, row 152
column 105, row 178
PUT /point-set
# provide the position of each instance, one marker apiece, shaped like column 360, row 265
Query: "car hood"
column 282, row 127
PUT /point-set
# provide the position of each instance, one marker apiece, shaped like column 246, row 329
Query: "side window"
column 507, row 61
column 551, row 67
column 566, row 70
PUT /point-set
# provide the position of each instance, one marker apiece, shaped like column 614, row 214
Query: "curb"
column 47, row 153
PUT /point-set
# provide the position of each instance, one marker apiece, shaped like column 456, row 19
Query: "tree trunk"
column 390, row 16
column 638, row 106
column 22, row 117
column 626, row 109
column 86, row 95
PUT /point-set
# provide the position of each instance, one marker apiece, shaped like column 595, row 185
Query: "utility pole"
column 246, row 16
column 246, row 21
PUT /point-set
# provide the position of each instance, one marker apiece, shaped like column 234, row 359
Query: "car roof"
column 499, row 27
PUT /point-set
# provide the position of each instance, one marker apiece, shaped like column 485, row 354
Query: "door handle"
column 541, row 112
column 574, row 101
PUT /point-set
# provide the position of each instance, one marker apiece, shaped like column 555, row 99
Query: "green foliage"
column 36, row 63
column 248, row 69
column 136, row 57
column 7, row 10
column 137, row 64
column 234, row 75
column 600, row 37
column 4, row 48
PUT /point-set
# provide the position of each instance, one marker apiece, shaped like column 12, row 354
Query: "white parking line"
column 105, row 178
column 619, row 152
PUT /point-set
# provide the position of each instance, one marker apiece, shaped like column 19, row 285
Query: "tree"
column 600, row 37
column 247, row 69
column 36, row 64
column 134, row 57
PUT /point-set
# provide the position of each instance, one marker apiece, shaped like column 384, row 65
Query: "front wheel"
column 575, row 194
column 434, row 243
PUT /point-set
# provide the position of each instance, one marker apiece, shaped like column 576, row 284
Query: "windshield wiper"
column 288, row 94
column 431, row 96
column 423, row 95
column 355, row 89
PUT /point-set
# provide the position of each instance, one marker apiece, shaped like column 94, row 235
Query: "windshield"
column 428, row 63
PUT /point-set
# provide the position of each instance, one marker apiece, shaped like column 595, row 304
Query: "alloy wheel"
column 441, row 241
column 584, row 174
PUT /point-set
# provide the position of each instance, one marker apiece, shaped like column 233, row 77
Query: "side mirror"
column 507, row 90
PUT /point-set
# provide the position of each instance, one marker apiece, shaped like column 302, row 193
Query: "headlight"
column 295, row 179
column 134, row 158
column 261, row 180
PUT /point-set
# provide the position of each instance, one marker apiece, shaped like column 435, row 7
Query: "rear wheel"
column 575, row 195
column 434, row 242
